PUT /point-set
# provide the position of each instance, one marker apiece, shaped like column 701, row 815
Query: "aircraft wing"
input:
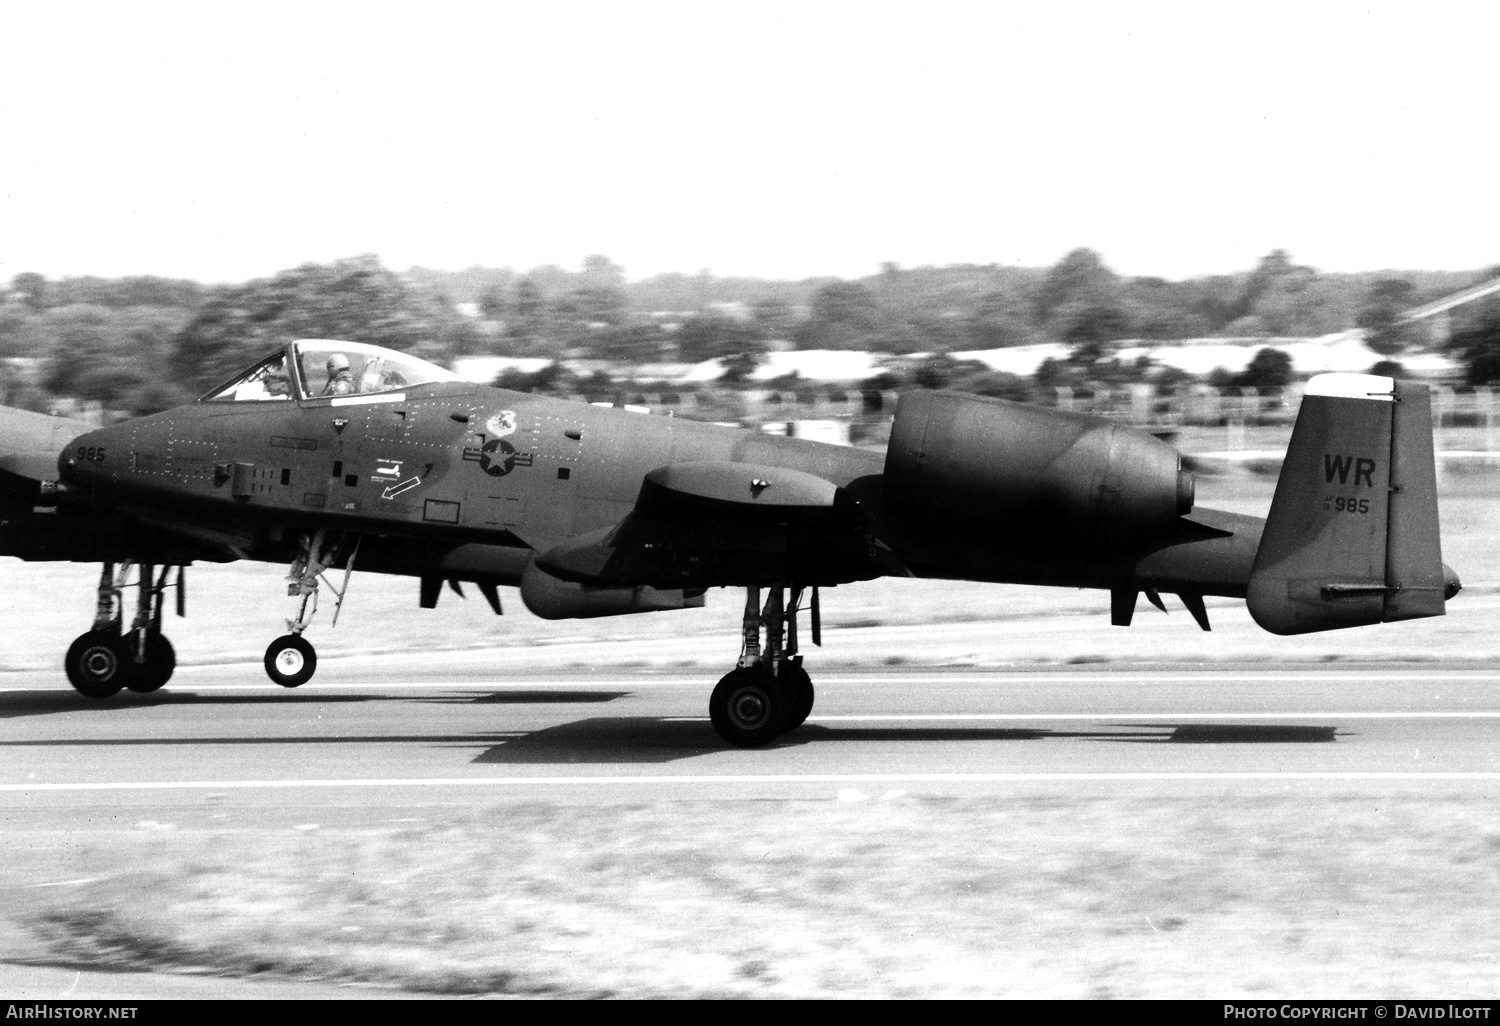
column 716, row 524
column 37, row 466
column 30, row 442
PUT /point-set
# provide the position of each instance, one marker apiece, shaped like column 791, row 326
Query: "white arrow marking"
column 396, row 489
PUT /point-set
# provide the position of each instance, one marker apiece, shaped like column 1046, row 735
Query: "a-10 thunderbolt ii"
column 327, row 456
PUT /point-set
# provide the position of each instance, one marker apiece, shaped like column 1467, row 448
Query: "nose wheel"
column 291, row 660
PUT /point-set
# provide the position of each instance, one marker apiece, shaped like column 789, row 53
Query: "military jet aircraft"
column 328, row 455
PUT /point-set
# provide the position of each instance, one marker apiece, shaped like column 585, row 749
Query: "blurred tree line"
column 1079, row 302
column 140, row 344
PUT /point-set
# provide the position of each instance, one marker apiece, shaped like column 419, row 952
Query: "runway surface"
column 379, row 741
column 370, row 739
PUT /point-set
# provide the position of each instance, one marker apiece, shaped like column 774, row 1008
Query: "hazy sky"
column 229, row 141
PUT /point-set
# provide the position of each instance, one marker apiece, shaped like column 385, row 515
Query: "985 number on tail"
column 1340, row 504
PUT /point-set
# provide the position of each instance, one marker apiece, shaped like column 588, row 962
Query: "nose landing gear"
column 103, row 661
column 769, row 693
column 291, row 659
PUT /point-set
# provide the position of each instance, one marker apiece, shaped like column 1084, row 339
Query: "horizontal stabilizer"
column 1352, row 537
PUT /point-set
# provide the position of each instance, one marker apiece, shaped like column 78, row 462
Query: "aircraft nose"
column 1451, row 584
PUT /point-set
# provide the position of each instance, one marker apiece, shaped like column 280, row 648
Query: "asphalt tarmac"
column 378, row 740
column 383, row 735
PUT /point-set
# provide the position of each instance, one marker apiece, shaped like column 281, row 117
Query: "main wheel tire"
column 96, row 664
column 799, row 691
column 290, row 660
column 748, row 707
column 161, row 659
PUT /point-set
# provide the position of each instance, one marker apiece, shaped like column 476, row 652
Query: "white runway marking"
column 729, row 778
column 1137, row 717
column 181, row 685
column 935, row 678
column 64, row 883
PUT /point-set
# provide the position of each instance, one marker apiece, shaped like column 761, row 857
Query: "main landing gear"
column 290, row 659
column 769, row 693
column 110, row 657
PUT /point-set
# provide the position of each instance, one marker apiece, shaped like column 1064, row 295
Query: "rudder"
column 1352, row 537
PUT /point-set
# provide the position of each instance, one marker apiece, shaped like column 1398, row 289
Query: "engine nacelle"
column 972, row 461
column 554, row 599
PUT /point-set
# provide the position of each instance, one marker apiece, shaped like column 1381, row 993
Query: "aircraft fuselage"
column 473, row 467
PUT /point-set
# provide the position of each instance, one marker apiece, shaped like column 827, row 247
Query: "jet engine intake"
column 986, row 463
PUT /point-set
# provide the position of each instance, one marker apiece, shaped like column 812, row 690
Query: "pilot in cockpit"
column 340, row 378
column 278, row 385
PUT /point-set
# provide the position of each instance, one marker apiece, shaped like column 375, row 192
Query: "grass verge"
column 885, row 895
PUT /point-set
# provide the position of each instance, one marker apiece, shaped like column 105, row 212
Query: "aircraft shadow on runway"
column 538, row 697
column 1134, row 733
column 1237, row 734
column 43, row 703
column 653, row 740
column 608, row 739
column 317, row 740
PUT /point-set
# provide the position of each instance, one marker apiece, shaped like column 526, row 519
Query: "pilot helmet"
column 337, row 362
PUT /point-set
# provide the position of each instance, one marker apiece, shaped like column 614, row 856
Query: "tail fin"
column 1352, row 538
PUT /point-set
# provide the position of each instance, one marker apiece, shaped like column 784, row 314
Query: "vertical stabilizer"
column 1352, row 538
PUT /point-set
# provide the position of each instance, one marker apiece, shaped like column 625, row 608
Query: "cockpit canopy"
column 312, row 368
